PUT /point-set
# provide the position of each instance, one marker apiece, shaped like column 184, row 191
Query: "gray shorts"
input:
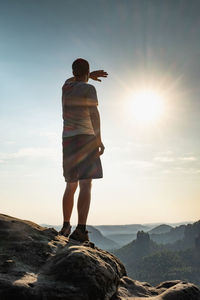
column 81, row 158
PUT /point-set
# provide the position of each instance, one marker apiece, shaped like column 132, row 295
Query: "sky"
column 151, row 169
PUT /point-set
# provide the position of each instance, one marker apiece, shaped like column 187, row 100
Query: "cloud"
column 31, row 153
column 9, row 142
column 181, row 170
column 118, row 149
column 181, row 164
column 49, row 134
column 164, row 159
column 170, row 158
column 140, row 163
column 188, row 158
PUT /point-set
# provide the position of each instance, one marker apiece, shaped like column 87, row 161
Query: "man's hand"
column 99, row 73
column 102, row 148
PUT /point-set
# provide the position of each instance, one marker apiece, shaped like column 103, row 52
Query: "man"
column 82, row 145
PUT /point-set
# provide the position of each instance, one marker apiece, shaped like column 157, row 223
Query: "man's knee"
column 85, row 184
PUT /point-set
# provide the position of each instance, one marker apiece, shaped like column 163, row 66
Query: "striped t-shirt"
column 77, row 97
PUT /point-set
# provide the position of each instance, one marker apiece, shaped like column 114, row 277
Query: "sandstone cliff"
column 38, row 264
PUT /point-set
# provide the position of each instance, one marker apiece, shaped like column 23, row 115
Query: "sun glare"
column 147, row 106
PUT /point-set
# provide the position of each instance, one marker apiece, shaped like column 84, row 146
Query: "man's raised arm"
column 93, row 75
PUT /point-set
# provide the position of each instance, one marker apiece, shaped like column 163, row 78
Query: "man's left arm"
column 95, row 119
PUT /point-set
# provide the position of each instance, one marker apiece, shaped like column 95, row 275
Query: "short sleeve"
column 91, row 95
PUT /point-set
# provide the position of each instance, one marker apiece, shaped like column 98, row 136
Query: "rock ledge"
column 38, row 264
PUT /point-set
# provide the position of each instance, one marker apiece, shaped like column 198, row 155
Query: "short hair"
column 80, row 67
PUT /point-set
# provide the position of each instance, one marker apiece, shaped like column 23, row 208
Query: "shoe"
column 65, row 231
column 79, row 235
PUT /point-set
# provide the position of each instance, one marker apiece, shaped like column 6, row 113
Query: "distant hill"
column 160, row 229
column 137, row 249
column 122, row 239
column 146, row 260
column 122, row 229
column 100, row 240
column 190, row 236
column 180, row 223
column 170, row 265
column 171, row 236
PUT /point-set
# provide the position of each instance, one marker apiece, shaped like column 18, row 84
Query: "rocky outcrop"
column 38, row 264
column 130, row 289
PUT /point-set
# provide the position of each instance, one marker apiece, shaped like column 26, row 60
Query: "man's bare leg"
column 80, row 233
column 68, row 200
column 83, row 204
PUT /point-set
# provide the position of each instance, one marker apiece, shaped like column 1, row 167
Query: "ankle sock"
column 82, row 227
column 66, row 224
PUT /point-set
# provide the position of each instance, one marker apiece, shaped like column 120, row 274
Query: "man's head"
column 81, row 69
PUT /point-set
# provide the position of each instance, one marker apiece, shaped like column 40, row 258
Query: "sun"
column 147, row 106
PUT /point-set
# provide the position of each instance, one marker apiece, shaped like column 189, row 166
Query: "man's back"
column 77, row 97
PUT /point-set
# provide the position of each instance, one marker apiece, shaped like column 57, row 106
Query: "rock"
column 143, row 237
column 92, row 272
column 38, row 264
column 130, row 289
